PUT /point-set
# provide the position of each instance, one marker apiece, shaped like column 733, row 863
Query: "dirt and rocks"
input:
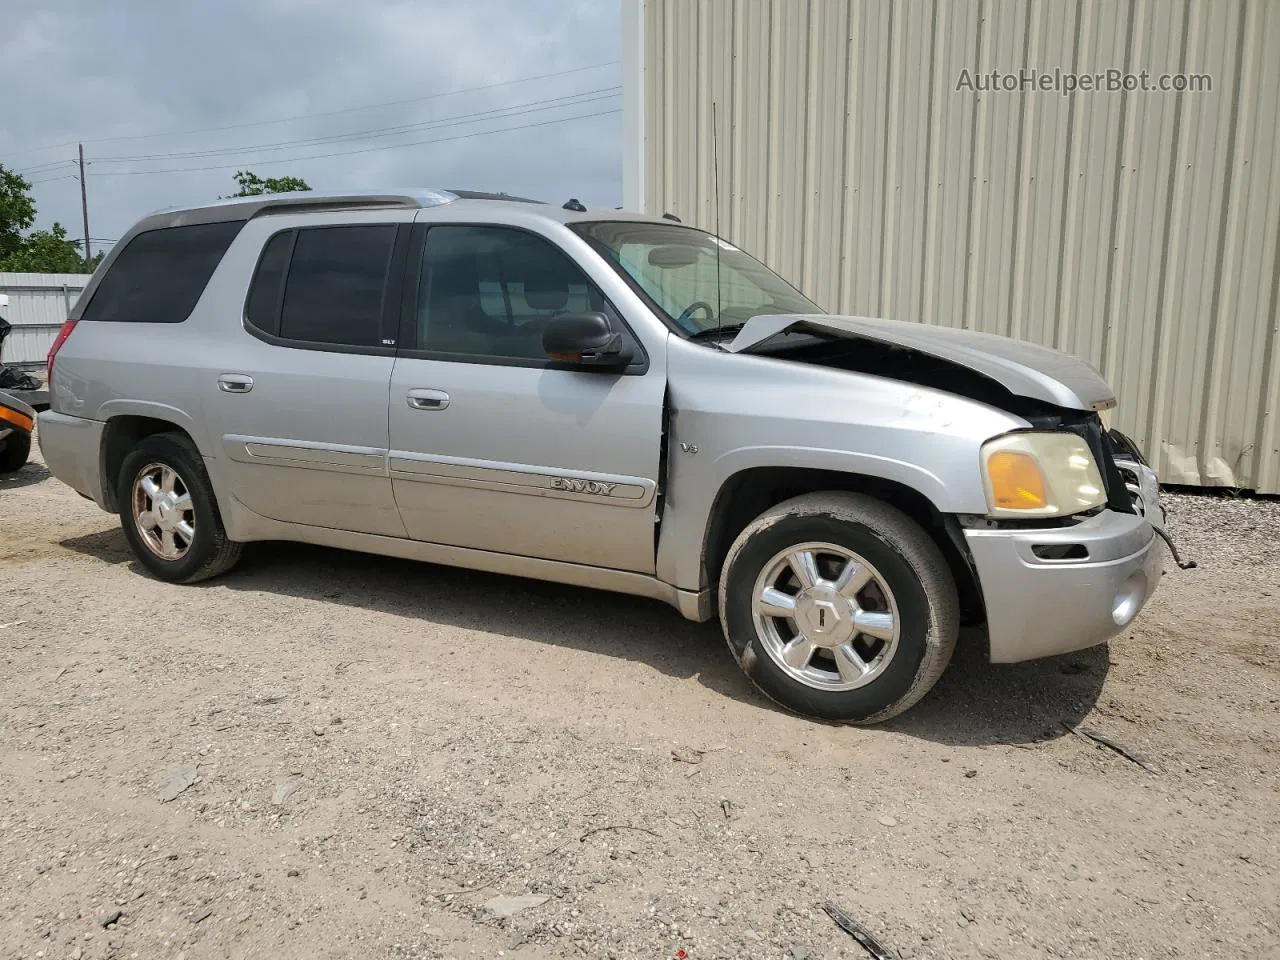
column 325, row 754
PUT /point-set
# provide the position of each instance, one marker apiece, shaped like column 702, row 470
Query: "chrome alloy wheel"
column 826, row 616
column 163, row 511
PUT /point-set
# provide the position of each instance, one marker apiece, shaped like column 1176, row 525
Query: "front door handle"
column 423, row 399
column 235, row 383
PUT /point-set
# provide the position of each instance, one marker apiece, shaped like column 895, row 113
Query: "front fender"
column 736, row 412
column 694, row 489
column 908, row 474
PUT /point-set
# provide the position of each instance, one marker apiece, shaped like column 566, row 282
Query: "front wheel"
column 840, row 607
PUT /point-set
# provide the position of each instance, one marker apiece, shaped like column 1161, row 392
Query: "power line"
column 497, row 113
column 347, row 153
column 43, row 167
column 331, row 113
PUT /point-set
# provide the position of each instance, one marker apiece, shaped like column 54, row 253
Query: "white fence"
column 38, row 305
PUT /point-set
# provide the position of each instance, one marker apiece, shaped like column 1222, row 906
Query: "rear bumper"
column 1039, row 607
column 71, row 447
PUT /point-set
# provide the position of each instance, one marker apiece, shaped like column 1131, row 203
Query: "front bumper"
column 1037, row 607
column 70, row 447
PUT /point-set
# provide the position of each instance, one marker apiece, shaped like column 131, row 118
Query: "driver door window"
column 489, row 292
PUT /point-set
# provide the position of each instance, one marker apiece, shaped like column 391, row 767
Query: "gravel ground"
column 324, row 754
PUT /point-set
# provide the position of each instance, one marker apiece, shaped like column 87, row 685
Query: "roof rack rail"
column 485, row 195
column 249, row 207
column 413, row 199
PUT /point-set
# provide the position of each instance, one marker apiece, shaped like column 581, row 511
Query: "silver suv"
column 602, row 399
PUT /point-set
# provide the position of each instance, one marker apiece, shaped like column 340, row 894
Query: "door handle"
column 422, row 399
column 235, row 383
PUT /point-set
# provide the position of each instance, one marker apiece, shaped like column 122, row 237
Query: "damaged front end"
column 1049, row 389
column 1143, row 487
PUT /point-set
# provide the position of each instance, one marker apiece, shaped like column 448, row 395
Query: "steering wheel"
column 687, row 313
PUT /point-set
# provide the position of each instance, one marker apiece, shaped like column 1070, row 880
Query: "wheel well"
column 748, row 494
column 119, row 436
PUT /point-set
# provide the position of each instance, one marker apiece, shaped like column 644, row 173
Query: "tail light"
column 57, row 345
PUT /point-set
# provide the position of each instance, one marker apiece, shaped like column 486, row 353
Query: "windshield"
column 675, row 267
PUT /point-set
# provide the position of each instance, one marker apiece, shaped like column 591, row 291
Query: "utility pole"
column 84, row 206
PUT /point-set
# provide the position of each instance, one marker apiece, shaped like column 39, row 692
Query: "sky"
column 145, row 85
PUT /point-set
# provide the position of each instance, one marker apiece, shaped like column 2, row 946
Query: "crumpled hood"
column 1024, row 369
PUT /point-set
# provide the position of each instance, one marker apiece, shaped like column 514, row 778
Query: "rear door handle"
column 423, row 399
column 235, row 383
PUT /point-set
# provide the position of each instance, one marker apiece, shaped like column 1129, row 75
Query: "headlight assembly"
column 1040, row 475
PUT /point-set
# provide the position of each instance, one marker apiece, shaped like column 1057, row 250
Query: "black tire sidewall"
column 909, row 596
column 14, row 452
column 175, row 453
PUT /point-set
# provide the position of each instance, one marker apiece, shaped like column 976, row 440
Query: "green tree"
column 46, row 251
column 17, row 210
column 252, row 185
column 42, row 251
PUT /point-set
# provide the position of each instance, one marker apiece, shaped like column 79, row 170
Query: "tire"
column 202, row 549
column 910, row 600
column 14, row 452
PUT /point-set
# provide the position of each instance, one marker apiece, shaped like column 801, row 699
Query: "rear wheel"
column 169, row 513
column 14, row 451
column 840, row 607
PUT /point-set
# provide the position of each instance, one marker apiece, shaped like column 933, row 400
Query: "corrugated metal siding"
column 1138, row 230
column 38, row 306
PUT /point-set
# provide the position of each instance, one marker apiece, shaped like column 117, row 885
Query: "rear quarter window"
column 160, row 275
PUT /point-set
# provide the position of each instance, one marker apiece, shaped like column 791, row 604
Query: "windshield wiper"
column 712, row 332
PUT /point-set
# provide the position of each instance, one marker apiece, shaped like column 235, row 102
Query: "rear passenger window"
column 262, row 309
column 336, row 281
column 160, row 275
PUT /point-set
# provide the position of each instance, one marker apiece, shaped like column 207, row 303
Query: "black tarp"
column 11, row 378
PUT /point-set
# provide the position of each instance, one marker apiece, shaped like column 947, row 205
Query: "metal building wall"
column 38, row 305
column 1138, row 230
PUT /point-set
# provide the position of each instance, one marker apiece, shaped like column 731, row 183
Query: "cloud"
column 114, row 75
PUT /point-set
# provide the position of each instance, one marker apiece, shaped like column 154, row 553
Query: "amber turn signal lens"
column 1016, row 481
column 14, row 417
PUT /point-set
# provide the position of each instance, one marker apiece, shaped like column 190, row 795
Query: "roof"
column 245, row 208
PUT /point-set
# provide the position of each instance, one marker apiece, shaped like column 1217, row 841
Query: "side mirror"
column 585, row 339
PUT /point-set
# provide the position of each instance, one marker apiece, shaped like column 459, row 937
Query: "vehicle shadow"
column 977, row 702
column 25, row 476
column 974, row 702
